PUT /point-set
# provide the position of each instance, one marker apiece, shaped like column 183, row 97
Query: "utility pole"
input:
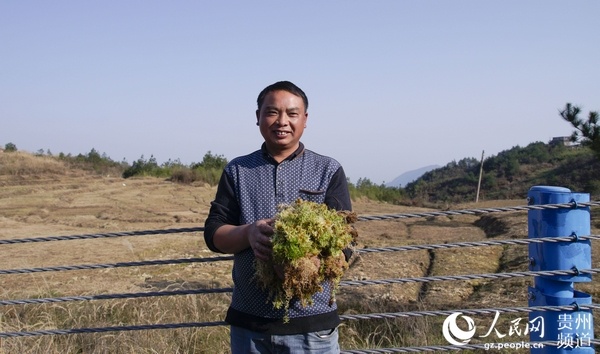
column 480, row 174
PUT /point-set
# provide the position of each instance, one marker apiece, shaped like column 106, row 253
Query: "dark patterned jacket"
column 250, row 189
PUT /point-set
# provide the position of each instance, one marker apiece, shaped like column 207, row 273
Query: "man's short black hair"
column 282, row 86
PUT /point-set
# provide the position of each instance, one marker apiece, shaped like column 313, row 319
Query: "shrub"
column 182, row 175
column 10, row 147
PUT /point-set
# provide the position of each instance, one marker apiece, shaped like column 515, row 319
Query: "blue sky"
column 393, row 85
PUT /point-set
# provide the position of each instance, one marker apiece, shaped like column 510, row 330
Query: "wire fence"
column 346, row 283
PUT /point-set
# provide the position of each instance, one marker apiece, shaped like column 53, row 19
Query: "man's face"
column 282, row 119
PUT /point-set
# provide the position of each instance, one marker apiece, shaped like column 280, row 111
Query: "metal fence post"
column 571, row 330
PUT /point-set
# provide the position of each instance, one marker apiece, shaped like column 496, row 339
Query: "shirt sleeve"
column 224, row 210
column 337, row 195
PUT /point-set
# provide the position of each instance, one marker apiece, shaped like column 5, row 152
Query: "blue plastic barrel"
column 571, row 330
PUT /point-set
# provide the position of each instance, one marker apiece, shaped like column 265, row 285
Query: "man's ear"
column 257, row 116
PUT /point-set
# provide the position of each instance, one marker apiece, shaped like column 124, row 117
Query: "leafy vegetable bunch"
column 307, row 250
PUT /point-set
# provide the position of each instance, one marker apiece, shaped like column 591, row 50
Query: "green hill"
column 510, row 174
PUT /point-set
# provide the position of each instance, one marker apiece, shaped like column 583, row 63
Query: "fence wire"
column 344, row 283
column 360, row 218
column 573, row 272
column 572, row 238
column 370, row 316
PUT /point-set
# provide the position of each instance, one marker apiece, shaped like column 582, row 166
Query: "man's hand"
column 259, row 237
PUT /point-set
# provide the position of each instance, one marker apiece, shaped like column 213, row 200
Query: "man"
column 240, row 222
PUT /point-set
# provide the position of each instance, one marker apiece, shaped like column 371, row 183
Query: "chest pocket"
column 316, row 196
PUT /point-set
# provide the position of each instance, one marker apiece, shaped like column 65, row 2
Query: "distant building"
column 562, row 140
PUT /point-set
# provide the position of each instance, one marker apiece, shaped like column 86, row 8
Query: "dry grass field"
column 40, row 197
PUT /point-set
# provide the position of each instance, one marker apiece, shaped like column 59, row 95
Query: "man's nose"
column 283, row 119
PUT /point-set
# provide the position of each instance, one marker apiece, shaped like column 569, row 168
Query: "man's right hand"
column 259, row 237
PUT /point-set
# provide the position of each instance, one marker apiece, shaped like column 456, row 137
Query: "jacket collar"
column 292, row 156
